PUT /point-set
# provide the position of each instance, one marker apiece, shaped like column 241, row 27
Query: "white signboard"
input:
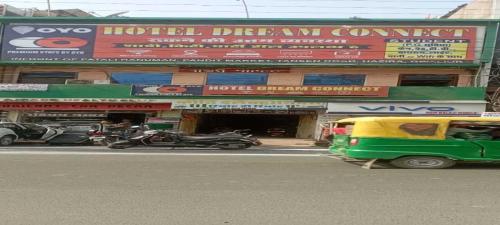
column 490, row 114
column 466, row 109
column 245, row 104
column 24, row 87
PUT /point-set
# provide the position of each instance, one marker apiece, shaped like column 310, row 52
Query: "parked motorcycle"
column 155, row 138
column 105, row 137
column 244, row 132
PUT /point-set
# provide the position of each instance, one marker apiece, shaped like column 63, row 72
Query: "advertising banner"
column 365, row 91
column 245, row 104
column 24, row 87
column 244, row 44
column 286, row 44
column 167, row 90
column 466, row 109
column 48, row 42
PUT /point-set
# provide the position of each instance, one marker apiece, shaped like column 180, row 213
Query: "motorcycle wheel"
column 234, row 146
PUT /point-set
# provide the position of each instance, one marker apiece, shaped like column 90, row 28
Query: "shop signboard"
column 245, row 104
column 244, row 44
column 65, row 114
column 84, row 106
column 490, row 114
column 438, row 109
column 24, row 87
column 167, row 90
column 312, row 90
column 250, row 111
column 96, row 100
column 48, row 42
column 234, row 70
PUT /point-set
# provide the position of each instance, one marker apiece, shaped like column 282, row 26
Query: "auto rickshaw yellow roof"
column 391, row 126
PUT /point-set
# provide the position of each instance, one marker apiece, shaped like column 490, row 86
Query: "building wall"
column 478, row 9
column 374, row 76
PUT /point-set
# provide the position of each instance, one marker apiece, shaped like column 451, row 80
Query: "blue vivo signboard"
column 48, row 42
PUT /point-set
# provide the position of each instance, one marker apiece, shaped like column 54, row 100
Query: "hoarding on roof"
column 48, row 42
column 244, row 44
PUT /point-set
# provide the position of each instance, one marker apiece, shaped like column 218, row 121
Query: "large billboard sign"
column 48, row 42
column 244, row 44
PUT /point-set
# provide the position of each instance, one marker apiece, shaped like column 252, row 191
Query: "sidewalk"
column 287, row 143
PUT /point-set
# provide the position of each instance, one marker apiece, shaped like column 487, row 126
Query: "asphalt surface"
column 94, row 186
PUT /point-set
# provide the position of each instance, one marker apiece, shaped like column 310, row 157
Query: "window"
column 428, row 80
column 465, row 130
column 46, row 77
column 237, row 78
column 334, row 79
column 141, row 78
column 420, row 129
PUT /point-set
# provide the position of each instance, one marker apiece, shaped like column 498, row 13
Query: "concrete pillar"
column 306, row 127
column 484, row 75
column 189, row 123
column 13, row 116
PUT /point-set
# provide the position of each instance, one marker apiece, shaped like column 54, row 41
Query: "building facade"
column 212, row 75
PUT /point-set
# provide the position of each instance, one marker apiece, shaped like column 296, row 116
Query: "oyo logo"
column 393, row 108
column 61, row 43
column 48, row 30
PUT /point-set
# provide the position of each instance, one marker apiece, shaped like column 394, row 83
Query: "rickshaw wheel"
column 422, row 162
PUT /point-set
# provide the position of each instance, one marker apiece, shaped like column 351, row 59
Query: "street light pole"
column 48, row 7
column 246, row 8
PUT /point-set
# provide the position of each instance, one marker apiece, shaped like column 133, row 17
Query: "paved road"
column 90, row 187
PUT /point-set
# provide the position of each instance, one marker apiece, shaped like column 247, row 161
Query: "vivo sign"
column 407, row 108
column 393, row 108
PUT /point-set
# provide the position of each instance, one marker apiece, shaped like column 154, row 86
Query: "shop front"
column 276, row 118
column 82, row 112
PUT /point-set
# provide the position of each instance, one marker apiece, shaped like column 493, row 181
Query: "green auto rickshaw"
column 417, row 142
